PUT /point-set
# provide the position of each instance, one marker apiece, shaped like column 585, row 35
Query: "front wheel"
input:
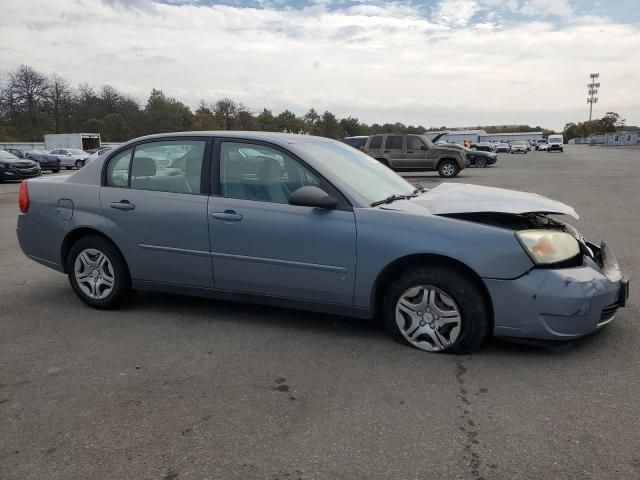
column 481, row 162
column 448, row 169
column 436, row 309
column 79, row 164
column 98, row 273
column 57, row 170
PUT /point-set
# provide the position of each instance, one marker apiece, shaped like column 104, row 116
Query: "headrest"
column 233, row 170
column 143, row 167
column 270, row 169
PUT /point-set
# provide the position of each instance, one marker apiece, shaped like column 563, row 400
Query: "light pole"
column 592, row 91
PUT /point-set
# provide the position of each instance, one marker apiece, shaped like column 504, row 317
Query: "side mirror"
column 312, row 197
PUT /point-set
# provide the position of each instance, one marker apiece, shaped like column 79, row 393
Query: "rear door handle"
column 123, row 205
column 227, row 215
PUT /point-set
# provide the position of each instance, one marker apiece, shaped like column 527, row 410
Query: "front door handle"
column 227, row 215
column 123, row 205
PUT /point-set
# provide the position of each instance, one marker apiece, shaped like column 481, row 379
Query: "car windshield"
column 76, row 151
column 362, row 173
column 4, row 155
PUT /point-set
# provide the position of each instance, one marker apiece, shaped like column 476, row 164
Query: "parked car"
column 556, row 143
column 476, row 158
column 484, row 147
column 44, row 159
column 70, row 157
column 540, row 143
column 503, row 147
column 519, row 147
column 444, row 268
column 15, row 168
column 356, row 142
column 415, row 152
column 98, row 153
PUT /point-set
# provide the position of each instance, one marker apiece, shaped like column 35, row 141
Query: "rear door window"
column 394, row 142
column 376, row 142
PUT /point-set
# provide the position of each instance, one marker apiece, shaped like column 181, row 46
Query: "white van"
column 556, row 143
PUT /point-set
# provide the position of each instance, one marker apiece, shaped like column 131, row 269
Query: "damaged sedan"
column 310, row 223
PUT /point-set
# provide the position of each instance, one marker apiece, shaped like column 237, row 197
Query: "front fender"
column 385, row 236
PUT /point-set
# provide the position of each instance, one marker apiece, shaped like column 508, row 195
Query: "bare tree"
column 60, row 97
column 27, row 92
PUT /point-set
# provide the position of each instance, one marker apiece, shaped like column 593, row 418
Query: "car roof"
column 282, row 139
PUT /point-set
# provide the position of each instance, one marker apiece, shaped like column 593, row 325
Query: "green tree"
column 166, row 114
column 266, row 122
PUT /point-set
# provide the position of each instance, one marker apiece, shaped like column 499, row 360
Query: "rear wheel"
column 79, row 164
column 448, row 168
column 57, row 170
column 98, row 273
column 436, row 309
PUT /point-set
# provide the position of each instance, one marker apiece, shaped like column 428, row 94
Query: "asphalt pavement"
column 184, row 388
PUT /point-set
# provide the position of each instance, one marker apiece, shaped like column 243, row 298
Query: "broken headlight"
column 546, row 247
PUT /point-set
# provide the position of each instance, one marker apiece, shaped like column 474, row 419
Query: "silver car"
column 70, row 157
column 314, row 224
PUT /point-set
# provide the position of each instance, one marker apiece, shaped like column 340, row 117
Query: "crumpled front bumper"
column 559, row 304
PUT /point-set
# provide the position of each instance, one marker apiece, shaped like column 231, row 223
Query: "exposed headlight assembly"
column 546, row 247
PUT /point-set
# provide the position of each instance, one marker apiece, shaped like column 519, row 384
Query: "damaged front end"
column 559, row 300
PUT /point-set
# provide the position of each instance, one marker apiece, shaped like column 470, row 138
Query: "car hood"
column 18, row 162
column 453, row 198
column 440, row 149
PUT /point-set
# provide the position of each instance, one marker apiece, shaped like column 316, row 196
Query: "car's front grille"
column 608, row 313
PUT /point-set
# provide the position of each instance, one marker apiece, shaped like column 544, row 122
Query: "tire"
column 481, row 162
column 55, row 171
column 97, row 293
column 68, row 168
column 561, row 150
column 79, row 164
column 445, row 290
column 448, row 169
column 384, row 162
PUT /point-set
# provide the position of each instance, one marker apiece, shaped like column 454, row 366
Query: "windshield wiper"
column 390, row 198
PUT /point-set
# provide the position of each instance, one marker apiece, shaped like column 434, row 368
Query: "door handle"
column 410, row 151
column 123, row 205
column 227, row 216
column 387, row 151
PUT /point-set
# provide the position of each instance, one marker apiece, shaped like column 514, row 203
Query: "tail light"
column 23, row 197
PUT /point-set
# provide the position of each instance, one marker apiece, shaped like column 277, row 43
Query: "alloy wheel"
column 428, row 318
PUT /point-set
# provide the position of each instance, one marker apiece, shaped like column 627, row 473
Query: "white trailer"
column 81, row 141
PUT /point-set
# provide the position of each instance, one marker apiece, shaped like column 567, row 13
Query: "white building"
column 510, row 137
column 622, row 138
column 457, row 136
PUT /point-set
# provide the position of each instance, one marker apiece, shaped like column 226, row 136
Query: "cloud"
column 385, row 62
column 456, row 12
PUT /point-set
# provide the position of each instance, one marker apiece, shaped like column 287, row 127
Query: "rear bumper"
column 557, row 304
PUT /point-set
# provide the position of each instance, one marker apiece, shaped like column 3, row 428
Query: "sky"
column 443, row 62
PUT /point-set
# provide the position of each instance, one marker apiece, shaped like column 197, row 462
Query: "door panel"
column 283, row 250
column 165, row 234
column 393, row 149
column 415, row 157
column 161, row 224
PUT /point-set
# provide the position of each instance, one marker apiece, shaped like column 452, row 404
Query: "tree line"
column 33, row 104
column 611, row 122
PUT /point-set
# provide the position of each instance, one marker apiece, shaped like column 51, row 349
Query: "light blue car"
column 311, row 223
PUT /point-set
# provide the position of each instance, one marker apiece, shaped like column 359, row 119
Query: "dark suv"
column 415, row 152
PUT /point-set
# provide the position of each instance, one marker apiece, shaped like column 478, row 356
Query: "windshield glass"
column 359, row 171
column 4, row 155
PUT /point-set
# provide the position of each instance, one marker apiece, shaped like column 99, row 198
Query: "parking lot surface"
column 185, row 388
